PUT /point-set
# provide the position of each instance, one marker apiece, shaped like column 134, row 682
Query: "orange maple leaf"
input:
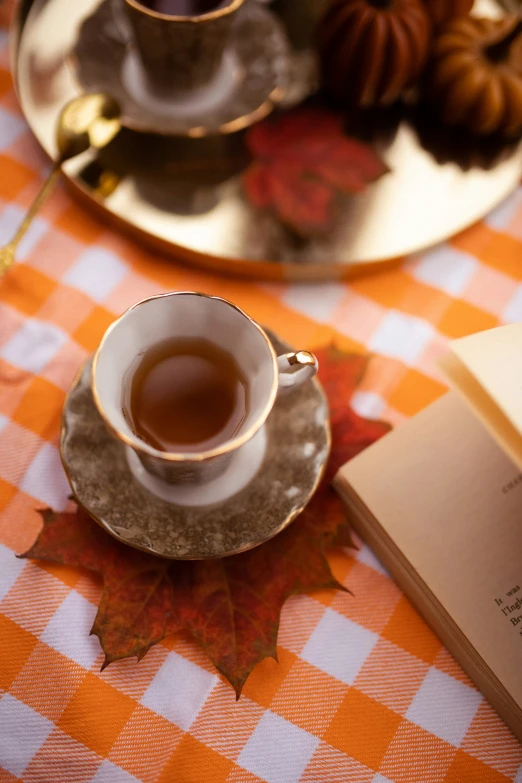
column 230, row 606
column 301, row 161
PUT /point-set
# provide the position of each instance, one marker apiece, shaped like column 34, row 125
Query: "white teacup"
column 207, row 477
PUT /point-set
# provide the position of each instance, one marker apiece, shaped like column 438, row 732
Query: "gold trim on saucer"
column 108, row 492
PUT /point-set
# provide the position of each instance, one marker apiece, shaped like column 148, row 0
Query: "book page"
column 487, row 368
column 451, row 501
column 490, row 414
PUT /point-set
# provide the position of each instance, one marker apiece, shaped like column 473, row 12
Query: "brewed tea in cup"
column 187, row 381
column 187, row 395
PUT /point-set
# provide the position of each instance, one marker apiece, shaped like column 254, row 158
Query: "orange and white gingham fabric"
column 363, row 691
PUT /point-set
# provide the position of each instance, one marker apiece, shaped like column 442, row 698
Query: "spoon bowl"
column 88, row 122
column 91, row 120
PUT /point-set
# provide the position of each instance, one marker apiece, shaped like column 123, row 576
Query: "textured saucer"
column 259, row 48
column 298, row 444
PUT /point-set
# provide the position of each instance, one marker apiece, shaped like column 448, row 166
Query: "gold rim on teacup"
column 139, row 445
column 195, row 19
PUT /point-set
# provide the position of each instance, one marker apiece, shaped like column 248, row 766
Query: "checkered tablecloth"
column 363, row 691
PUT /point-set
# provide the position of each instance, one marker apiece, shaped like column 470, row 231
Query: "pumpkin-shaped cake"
column 475, row 78
column 371, row 50
column 441, row 11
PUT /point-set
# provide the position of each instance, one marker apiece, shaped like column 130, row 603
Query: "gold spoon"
column 88, row 121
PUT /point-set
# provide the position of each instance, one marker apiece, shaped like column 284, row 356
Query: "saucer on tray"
column 254, row 76
column 298, row 446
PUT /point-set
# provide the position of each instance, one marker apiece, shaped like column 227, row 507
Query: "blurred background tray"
column 184, row 195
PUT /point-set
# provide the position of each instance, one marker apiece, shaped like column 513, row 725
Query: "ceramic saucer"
column 298, row 445
column 257, row 62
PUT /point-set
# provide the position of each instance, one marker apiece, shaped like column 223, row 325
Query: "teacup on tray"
column 185, row 67
column 182, row 43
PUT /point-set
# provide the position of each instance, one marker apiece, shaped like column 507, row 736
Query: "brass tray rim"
column 264, row 270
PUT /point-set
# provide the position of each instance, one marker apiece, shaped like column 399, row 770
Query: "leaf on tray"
column 230, row 606
column 301, row 161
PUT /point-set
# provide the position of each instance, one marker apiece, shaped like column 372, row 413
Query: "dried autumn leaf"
column 230, row 606
column 6, row 12
column 340, row 375
column 301, row 161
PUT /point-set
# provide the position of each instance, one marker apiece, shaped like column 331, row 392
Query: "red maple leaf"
column 230, row 606
column 302, row 160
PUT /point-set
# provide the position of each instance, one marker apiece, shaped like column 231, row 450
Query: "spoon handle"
column 42, row 196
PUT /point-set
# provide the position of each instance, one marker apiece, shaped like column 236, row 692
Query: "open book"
column 440, row 502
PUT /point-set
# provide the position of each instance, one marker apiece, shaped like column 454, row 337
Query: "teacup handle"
column 296, row 368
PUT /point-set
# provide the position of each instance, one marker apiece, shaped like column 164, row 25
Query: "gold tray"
column 184, row 195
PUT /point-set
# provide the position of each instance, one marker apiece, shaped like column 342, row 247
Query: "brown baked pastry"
column 370, row 50
column 441, row 11
column 475, row 77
